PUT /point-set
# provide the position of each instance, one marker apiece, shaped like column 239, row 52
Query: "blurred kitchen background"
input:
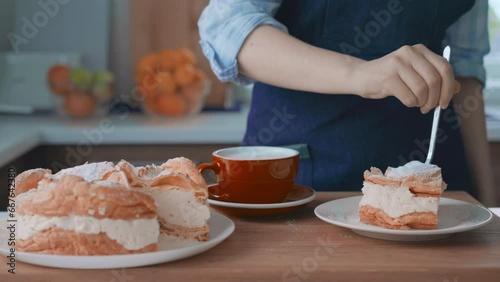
column 73, row 75
column 110, row 51
column 98, row 35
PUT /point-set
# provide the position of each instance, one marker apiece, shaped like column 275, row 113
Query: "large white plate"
column 454, row 216
column 221, row 227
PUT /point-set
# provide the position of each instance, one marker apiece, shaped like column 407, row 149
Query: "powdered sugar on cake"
column 88, row 171
column 428, row 173
column 149, row 172
column 411, row 169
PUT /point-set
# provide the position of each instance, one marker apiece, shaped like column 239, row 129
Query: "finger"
column 416, row 84
column 404, row 93
column 448, row 81
column 432, row 102
column 431, row 76
column 445, row 71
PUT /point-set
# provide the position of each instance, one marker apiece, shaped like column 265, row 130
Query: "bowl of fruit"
column 171, row 84
column 83, row 93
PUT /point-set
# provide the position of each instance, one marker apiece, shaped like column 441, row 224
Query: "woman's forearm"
column 413, row 74
column 274, row 57
column 470, row 108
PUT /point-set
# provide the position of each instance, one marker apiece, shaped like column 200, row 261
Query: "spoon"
column 435, row 120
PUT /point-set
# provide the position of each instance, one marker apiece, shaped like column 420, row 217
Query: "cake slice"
column 180, row 192
column 404, row 198
column 176, row 187
column 68, row 215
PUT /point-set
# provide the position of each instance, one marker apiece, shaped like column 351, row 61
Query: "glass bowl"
column 188, row 101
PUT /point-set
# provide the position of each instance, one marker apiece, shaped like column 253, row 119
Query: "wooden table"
column 300, row 247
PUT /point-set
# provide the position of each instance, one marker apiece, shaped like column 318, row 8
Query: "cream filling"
column 180, row 207
column 396, row 201
column 132, row 234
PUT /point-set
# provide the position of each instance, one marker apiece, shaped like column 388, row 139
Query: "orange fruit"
column 199, row 75
column 139, row 76
column 172, row 105
column 58, row 78
column 186, row 56
column 80, row 104
column 185, row 74
column 166, row 82
column 149, row 83
column 148, row 64
column 151, row 103
column 167, row 93
column 168, row 60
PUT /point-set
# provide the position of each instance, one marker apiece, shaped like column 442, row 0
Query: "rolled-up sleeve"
column 225, row 24
column 469, row 42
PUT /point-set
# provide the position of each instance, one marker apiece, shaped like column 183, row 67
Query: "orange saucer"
column 298, row 197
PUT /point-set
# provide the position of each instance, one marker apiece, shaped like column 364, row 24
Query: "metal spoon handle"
column 435, row 126
column 435, row 120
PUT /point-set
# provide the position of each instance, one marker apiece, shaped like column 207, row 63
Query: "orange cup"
column 253, row 174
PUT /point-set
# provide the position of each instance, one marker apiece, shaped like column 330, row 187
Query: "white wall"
column 100, row 29
column 7, row 11
column 73, row 25
column 120, row 46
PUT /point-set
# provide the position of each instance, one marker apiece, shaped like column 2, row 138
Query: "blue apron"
column 340, row 136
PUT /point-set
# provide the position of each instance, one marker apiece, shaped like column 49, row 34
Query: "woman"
column 351, row 83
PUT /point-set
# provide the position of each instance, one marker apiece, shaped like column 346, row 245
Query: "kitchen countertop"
column 301, row 247
column 19, row 134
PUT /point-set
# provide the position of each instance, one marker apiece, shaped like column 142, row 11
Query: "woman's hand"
column 413, row 74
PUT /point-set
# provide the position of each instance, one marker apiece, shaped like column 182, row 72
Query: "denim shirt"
column 225, row 24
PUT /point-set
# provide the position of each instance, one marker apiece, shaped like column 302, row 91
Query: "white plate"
column 221, row 227
column 454, row 217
